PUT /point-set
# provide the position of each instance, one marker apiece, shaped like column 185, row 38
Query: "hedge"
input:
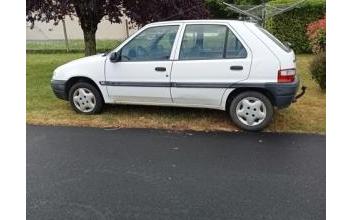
column 218, row 10
column 291, row 26
column 318, row 69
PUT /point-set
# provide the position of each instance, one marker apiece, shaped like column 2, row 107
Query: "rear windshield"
column 273, row 38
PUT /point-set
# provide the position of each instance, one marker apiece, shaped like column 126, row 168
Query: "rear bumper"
column 283, row 93
column 59, row 89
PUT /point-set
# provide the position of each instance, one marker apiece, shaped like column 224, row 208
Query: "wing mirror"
column 115, row 57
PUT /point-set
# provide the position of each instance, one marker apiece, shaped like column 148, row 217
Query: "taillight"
column 286, row 76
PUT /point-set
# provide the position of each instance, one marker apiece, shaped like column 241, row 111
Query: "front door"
column 143, row 73
column 211, row 59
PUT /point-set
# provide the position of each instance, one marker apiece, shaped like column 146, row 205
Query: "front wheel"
column 251, row 111
column 85, row 98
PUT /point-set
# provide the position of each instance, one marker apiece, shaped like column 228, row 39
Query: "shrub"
column 318, row 69
column 217, row 10
column 316, row 32
column 291, row 26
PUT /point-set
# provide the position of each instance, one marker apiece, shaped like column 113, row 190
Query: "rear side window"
column 205, row 41
column 273, row 38
column 234, row 48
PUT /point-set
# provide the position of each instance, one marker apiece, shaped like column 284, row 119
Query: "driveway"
column 91, row 173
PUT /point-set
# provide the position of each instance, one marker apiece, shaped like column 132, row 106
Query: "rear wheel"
column 85, row 98
column 251, row 111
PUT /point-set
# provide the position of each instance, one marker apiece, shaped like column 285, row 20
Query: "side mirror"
column 115, row 57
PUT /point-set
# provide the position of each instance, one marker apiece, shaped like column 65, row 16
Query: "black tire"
column 99, row 102
column 269, row 110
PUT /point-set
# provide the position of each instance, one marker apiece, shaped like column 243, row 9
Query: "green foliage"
column 318, row 69
column 316, row 32
column 291, row 26
column 312, row 2
column 249, row 2
column 217, row 10
column 318, row 43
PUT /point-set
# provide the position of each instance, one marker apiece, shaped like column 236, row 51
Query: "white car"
column 233, row 66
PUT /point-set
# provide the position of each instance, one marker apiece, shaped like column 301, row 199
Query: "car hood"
column 80, row 67
column 82, row 61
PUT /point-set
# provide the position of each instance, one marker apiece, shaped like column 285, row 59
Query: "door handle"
column 236, row 68
column 160, row 69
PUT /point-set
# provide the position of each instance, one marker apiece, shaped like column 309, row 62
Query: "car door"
column 142, row 74
column 211, row 58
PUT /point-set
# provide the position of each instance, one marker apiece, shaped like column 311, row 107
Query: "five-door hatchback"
column 233, row 66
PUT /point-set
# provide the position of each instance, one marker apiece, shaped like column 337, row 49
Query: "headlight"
column 55, row 73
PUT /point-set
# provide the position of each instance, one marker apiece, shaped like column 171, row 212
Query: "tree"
column 89, row 13
column 142, row 12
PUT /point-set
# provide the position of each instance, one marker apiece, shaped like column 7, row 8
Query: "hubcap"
column 84, row 99
column 251, row 111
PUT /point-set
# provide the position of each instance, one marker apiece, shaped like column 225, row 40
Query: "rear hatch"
column 283, row 52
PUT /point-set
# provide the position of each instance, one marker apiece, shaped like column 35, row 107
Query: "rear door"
column 211, row 57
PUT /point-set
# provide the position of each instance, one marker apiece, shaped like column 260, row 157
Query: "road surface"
column 91, row 173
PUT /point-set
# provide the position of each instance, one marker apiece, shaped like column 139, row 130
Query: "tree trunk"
column 89, row 12
column 89, row 42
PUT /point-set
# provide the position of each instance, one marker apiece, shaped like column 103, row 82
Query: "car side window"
column 234, row 48
column 153, row 44
column 203, row 41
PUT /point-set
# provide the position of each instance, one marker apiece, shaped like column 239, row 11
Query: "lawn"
column 307, row 115
column 59, row 46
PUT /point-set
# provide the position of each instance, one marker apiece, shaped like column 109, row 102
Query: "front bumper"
column 59, row 89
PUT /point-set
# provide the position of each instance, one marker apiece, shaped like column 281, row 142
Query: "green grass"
column 59, row 46
column 307, row 115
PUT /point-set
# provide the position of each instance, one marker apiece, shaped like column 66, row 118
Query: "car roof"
column 203, row 21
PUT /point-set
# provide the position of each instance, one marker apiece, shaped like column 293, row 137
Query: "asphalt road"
column 88, row 173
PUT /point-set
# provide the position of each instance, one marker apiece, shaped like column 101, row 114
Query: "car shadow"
column 166, row 111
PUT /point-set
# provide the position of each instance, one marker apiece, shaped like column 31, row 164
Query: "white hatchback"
column 220, row 64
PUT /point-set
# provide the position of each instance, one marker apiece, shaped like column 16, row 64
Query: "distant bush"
column 292, row 25
column 318, row 69
column 316, row 32
column 217, row 10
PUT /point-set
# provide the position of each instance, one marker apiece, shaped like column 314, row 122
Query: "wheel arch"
column 238, row 91
column 73, row 80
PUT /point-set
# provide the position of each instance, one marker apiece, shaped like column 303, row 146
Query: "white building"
column 49, row 31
